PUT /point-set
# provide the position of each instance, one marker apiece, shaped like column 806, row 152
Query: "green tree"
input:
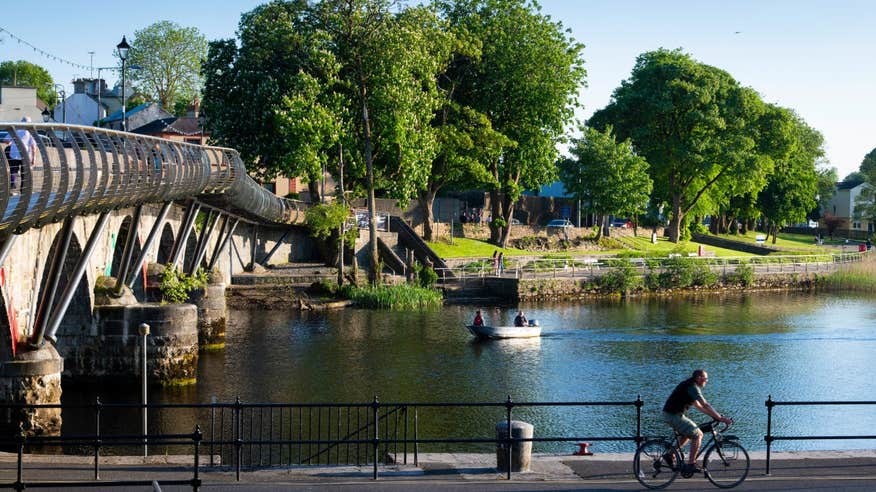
column 697, row 128
column 272, row 99
column 826, row 185
column 525, row 81
column 388, row 64
column 865, row 203
column 21, row 73
column 605, row 175
column 791, row 190
column 169, row 57
column 868, row 167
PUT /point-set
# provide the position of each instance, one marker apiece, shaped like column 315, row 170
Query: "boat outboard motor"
column 533, row 322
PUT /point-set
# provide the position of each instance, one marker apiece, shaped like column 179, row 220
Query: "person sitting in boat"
column 520, row 320
column 478, row 320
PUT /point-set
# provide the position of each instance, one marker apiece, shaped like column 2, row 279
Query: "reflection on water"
column 789, row 345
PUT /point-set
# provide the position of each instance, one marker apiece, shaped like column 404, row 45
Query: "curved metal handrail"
column 76, row 170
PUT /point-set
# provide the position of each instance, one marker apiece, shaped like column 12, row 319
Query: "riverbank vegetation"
column 853, row 277
column 402, row 297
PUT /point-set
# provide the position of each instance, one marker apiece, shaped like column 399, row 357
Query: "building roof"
column 117, row 115
column 848, row 185
column 180, row 126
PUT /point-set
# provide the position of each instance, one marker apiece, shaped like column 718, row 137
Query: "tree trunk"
column 374, row 273
column 600, row 219
column 495, row 212
column 427, row 199
column 508, row 211
column 675, row 221
column 313, row 189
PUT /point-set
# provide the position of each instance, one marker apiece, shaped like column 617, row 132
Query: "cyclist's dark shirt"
column 682, row 397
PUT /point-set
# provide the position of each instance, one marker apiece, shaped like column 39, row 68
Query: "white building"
column 842, row 205
column 90, row 102
column 18, row 102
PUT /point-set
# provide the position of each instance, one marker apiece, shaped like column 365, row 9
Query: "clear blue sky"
column 815, row 57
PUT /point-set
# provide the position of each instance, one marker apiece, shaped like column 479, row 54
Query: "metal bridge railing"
column 67, row 170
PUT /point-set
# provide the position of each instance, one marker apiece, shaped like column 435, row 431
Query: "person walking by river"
column 495, row 262
column 501, row 261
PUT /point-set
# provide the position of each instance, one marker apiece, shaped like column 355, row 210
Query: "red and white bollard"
column 583, row 449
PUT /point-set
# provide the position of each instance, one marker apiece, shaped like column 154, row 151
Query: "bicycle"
column 726, row 462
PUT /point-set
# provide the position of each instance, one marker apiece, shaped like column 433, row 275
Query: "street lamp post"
column 202, row 123
column 123, row 48
column 60, row 89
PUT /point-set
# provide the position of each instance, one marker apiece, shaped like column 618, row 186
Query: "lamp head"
column 123, row 48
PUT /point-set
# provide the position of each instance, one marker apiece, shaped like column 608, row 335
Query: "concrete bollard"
column 521, row 452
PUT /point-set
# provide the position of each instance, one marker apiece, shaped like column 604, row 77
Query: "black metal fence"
column 769, row 437
column 255, row 435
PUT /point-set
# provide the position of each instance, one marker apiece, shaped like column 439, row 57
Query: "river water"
column 792, row 346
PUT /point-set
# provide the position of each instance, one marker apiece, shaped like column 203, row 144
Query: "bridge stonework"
column 96, row 340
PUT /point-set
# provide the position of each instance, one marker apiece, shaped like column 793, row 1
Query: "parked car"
column 362, row 219
column 559, row 226
column 625, row 223
column 515, row 221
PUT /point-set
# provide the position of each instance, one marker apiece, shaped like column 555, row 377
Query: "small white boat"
column 494, row 332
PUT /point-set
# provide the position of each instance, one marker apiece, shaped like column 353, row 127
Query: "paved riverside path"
column 810, row 471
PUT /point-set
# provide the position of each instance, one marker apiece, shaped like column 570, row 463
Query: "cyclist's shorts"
column 683, row 425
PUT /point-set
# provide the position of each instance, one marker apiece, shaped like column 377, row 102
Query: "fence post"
column 416, row 436
column 508, row 405
column 639, row 404
column 97, row 406
column 19, row 485
column 197, row 436
column 769, row 437
column 238, row 439
column 212, row 426
column 375, row 405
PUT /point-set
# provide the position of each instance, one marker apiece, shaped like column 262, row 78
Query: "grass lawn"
column 471, row 248
column 664, row 247
column 794, row 242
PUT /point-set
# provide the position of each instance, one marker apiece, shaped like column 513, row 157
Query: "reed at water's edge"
column 400, row 297
column 859, row 276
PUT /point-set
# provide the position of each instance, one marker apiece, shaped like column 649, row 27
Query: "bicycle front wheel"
column 726, row 464
column 653, row 466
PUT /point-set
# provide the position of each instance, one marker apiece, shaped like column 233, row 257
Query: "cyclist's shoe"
column 669, row 459
column 691, row 468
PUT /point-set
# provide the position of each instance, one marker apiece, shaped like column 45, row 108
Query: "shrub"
column 621, row 278
column 176, row 286
column 678, row 272
column 427, row 277
column 744, row 275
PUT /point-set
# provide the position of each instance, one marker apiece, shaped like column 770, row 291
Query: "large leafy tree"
column 606, row 175
column 22, row 73
column 697, row 128
column 865, row 203
column 271, row 99
column 826, row 178
column 169, row 57
column 525, row 81
column 791, row 190
column 353, row 74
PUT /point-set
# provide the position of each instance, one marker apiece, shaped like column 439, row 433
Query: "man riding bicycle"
column 689, row 393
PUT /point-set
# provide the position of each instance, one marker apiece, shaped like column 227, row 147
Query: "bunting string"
column 41, row 52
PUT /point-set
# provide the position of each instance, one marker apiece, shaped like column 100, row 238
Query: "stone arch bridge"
column 84, row 205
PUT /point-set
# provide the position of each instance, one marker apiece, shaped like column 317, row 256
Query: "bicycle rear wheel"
column 726, row 464
column 650, row 466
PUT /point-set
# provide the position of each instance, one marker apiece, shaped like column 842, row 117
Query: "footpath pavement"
column 833, row 470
